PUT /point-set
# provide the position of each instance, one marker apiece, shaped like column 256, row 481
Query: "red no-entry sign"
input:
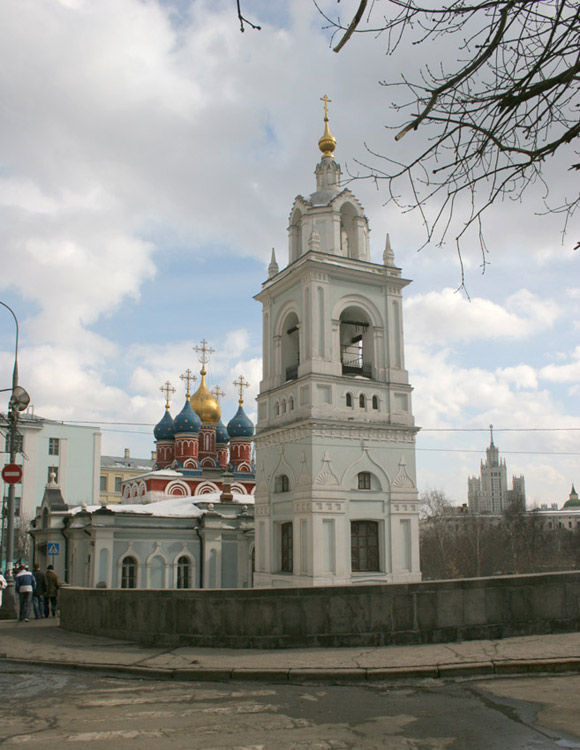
column 12, row 473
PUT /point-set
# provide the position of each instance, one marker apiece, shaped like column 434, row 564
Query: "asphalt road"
column 57, row 708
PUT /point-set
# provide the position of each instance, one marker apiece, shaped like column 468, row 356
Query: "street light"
column 19, row 400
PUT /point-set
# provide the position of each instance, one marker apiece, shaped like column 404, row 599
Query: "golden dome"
column 327, row 143
column 204, row 404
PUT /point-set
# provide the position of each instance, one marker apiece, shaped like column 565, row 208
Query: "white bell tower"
column 336, row 498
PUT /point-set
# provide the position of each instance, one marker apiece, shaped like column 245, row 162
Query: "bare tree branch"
column 243, row 20
column 490, row 122
column 353, row 24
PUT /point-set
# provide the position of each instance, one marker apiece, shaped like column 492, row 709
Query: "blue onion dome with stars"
column 221, row 434
column 187, row 420
column 240, row 425
column 165, row 428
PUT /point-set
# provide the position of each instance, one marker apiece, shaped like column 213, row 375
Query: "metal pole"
column 13, row 433
column 8, row 599
column 13, row 436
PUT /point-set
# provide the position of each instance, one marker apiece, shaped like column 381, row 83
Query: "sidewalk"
column 43, row 642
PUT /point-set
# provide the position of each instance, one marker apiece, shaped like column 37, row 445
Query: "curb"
column 337, row 675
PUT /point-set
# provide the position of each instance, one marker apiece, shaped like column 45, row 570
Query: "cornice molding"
column 296, row 433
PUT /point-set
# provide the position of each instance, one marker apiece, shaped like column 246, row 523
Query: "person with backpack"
column 24, row 586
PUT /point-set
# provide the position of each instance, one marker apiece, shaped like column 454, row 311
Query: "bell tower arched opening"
column 348, row 231
column 356, row 343
column 290, row 347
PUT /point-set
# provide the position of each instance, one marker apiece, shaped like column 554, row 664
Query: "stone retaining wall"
column 427, row 612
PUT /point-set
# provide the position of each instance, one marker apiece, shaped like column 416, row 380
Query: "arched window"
column 295, row 233
column 129, row 573
column 277, row 409
column 375, row 402
column 283, row 406
column 364, row 480
column 356, row 343
column 349, row 400
column 45, row 518
column 183, row 573
column 290, row 347
column 291, row 403
column 364, row 546
column 362, row 401
column 286, row 548
column 282, row 483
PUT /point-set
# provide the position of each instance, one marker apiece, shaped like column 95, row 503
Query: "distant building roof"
column 573, row 500
column 29, row 419
column 126, row 462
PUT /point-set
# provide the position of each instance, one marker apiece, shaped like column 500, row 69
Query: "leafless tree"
column 22, row 545
column 487, row 122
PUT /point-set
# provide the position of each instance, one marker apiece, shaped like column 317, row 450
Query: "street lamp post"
column 19, row 400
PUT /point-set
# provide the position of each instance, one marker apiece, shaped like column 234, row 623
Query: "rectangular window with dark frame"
column 364, row 546
column 286, row 548
column 282, row 483
column 17, row 503
column 18, row 441
column 183, row 573
column 53, row 447
column 103, row 483
column 118, row 481
column 364, row 480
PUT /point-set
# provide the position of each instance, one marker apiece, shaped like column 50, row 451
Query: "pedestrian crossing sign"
column 53, row 548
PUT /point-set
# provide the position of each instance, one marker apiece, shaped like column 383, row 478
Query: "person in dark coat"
column 52, row 587
column 39, row 592
column 24, row 585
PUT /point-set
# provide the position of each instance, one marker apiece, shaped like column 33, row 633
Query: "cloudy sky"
column 149, row 157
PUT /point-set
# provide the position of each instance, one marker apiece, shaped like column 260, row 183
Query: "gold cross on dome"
column 241, row 384
column 188, row 378
column 325, row 99
column 205, row 352
column 218, row 393
column 167, row 388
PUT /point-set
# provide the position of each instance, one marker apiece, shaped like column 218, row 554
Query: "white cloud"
column 447, row 316
column 565, row 373
column 522, row 376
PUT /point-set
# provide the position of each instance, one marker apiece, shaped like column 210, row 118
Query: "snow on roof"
column 172, row 507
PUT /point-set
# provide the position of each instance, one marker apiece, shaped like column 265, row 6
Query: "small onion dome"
column 187, row 420
column 327, row 143
column 221, row 434
column 240, row 425
column 205, row 404
column 165, row 428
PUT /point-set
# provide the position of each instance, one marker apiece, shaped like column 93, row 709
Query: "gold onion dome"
column 327, row 143
column 205, row 404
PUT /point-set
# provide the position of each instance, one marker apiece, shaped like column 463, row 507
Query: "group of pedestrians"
column 36, row 590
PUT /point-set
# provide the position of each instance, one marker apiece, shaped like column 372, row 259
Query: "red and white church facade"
column 196, row 453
